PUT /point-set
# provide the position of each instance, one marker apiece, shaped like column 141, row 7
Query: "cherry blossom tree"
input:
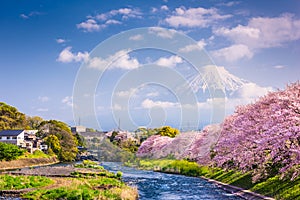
column 263, row 137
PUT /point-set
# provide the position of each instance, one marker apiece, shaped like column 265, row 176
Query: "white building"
column 22, row 138
column 12, row 136
column 78, row 129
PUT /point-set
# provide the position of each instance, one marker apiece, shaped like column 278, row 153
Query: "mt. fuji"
column 237, row 91
column 213, row 77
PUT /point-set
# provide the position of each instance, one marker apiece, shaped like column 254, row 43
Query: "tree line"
column 56, row 134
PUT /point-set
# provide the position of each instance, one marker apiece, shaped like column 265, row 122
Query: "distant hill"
column 56, row 134
column 11, row 118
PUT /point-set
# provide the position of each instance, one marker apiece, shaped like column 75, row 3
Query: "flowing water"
column 161, row 186
column 155, row 185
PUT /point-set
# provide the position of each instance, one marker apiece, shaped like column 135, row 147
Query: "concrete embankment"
column 27, row 162
column 246, row 194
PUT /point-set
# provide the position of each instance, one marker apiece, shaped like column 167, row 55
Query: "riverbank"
column 28, row 162
column 85, row 181
column 237, row 182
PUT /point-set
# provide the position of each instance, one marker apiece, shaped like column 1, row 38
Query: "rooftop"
column 10, row 132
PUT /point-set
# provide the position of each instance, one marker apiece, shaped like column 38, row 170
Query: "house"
column 78, row 129
column 23, row 138
column 12, row 136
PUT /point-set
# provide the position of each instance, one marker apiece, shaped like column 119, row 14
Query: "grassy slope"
column 38, row 158
column 27, row 162
column 93, row 185
column 10, row 182
column 100, row 184
column 273, row 187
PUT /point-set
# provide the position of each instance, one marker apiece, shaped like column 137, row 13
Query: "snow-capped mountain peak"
column 216, row 78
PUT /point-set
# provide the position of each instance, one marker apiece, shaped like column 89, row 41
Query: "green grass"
column 280, row 189
column 89, row 164
column 8, row 182
column 273, row 186
column 96, row 184
column 87, row 189
column 35, row 154
column 63, row 193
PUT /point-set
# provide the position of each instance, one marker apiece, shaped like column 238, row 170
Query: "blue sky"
column 44, row 43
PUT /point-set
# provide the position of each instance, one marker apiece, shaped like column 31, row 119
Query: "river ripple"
column 157, row 186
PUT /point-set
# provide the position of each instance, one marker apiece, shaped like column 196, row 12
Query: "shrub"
column 89, row 162
column 10, row 151
column 168, row 131
column 119, row 174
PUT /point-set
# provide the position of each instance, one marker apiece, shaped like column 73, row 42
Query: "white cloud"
column 164, row 7
column 120, row 59
column 211, row 102
column 31, row 14
column 43, row 98
column 126, row 94
column 112, row 21
column 148, row 103
column 252, row 91
column 117, row 107
column 172, row 61
column 162, row 32
column 66, row 56
column 233, row 53
column 230, row 3
column 24, row 16
column 68, row 100
column 90, row 25
column 152, row 94
column 128, row 13
column 125, row 13
column 248, row 93
column 239, row 33
column 42, row 110
column 192, row 47
column 102, row 16
column 195, row 17
column 98, row 63
column 126, row 62
column 154, row 10
column 279, row 66
column 263, row 32
column 60, row 40
column 103, row 20
column 136, row 37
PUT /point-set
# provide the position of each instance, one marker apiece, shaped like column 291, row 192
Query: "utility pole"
column 119, row 125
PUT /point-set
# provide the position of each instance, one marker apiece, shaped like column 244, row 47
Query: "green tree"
column 168, row 131
column 34, row 122
column 10, row 151
column 68, row 142
column 53, row 143
column 11, row 118
column 113, row 135
column 80, row 140
column 129, row 145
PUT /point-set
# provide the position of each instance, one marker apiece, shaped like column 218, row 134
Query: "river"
column 157, row 186
column 161, row 186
